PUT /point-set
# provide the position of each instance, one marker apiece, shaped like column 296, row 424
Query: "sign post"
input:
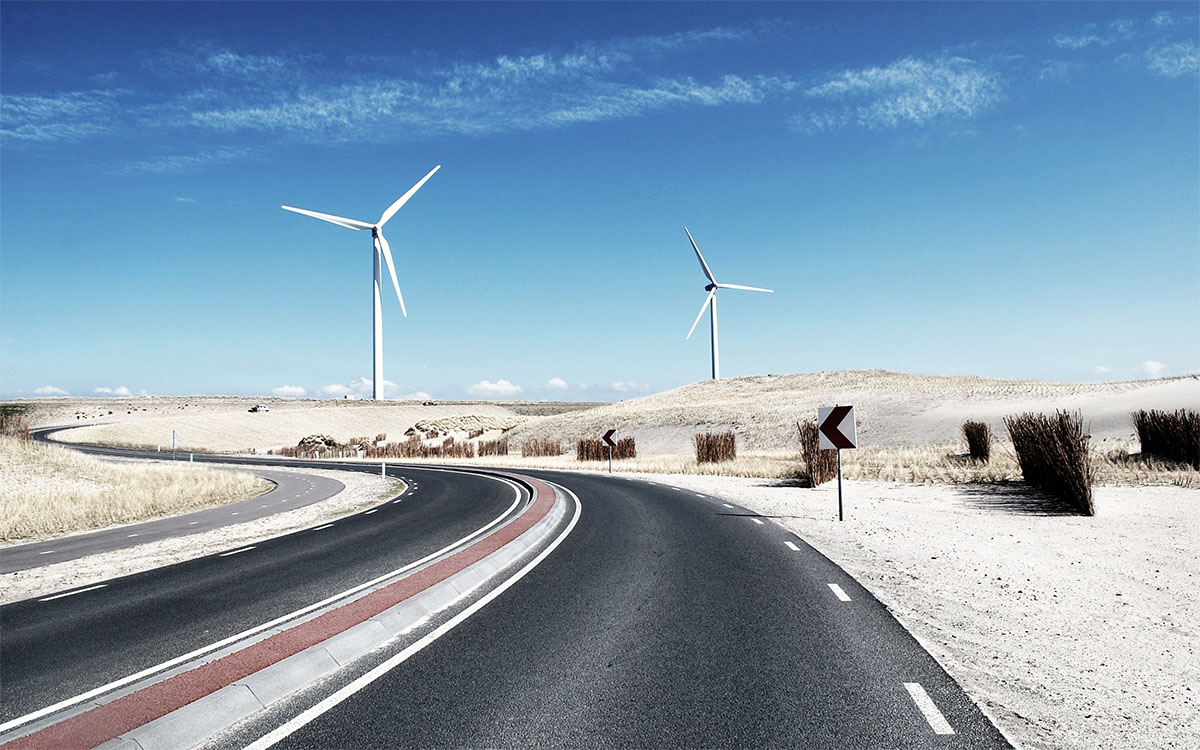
column 174, row 444
column 608, row 439
column 836, row 430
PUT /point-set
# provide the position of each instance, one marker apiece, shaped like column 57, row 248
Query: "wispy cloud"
column 499, row 388
column 909, row 91
column 67, row 116
column 1174, row 59
column 175, row 163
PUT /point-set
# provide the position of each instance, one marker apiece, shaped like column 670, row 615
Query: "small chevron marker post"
column 608, row 439
column 836, row 430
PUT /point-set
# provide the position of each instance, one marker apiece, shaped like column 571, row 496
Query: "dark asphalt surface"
column 291, row 491
column 53, row 650
column 664, row 620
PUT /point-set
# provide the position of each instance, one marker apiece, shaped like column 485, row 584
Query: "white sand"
column 362, row 491
column 1070, row 632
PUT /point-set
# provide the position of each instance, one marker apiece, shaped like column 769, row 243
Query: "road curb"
column 199, row 700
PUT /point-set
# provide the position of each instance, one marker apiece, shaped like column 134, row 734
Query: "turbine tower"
column 381, row 248
column 711, row 301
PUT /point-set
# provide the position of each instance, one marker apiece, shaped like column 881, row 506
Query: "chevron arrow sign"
column 836, row 427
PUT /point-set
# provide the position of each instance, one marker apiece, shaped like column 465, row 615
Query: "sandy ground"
column 362, row 491
column 1070, row 632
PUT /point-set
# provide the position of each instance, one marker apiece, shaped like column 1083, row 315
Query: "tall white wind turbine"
column 381, row 248
column 711, row 302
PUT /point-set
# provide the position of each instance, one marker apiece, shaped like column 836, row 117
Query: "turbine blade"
column 339, row 220
column 747, row 288
column 387, row 256
column 707, row 301
column 392, row 209
column 707, row 270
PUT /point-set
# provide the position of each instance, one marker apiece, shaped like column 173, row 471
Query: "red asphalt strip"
column 103, row 723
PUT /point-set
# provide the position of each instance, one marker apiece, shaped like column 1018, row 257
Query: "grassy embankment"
column 46, row 490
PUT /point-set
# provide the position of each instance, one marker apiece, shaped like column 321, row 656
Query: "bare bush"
column 626, row 448
column 493, row 447
column 539, row 447
column 1053, row 454
column 714, row 447
column 590, row 449
column 381, row 437
column 820, row 466
column 472, row 434
column 979, row 440
column 1171, row 436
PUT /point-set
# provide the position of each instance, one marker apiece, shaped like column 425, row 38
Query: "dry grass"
column 47, row 490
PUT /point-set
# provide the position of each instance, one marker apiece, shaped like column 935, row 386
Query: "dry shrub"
column 472, row 434
column 493, row 447
column 714, row 447
column 14, row 426
column 979, row 440
column 539, row 447
column 820, row 466
column 1053, row 454
column 381, row 437
column 626, row 448
column 590, row 449
column 1170, row 436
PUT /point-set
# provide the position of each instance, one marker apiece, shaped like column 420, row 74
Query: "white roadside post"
column 836, row 430
column 383, row 469
column 174, row 444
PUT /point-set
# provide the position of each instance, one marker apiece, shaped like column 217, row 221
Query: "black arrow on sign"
column 829, row 428
column 608, row 438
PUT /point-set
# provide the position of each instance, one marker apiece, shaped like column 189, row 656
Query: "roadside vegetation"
column 47, row 490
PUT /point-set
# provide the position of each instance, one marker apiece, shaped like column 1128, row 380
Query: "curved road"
column 666, row 619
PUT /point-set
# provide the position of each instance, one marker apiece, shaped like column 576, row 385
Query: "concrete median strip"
column 206, row 696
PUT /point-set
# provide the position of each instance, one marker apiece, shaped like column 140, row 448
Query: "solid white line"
column 372, row 510
column 70, row 593
column 837, row 591
column 932, row 715
column 266, row 625
column 792, row 546
column 326, row 526
column 313, row 712
column 237, row 551
column 758, row 521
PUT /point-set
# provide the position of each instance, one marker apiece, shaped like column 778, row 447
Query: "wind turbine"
column 381, row 248
column 711, row 301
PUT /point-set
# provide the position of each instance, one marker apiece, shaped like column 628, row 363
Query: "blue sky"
column 1006, row 190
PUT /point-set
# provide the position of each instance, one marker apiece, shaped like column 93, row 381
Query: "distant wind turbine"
column 711, row 301
column 381, row 248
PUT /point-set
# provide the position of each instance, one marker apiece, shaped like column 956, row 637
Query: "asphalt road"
column 666, row 619
column 58, row 648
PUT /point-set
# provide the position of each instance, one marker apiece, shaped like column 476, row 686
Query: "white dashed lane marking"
column 326, row 526
column 237, row 551
column 372, row 510
column 192, row 523
column 73, row 593
column 792, row 547
column 131, row 536
column 837, row 591
column 932, row 715
column 727, row 505
column 47, row 552
column 758, row 521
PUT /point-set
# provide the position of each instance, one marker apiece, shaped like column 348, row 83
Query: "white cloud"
column 182, row 199
column 289, row 391
column 118, row 391
column 906, row 92
column 335, row 390
column 1153, row 369
column 499, row 388
column 1164, row 18
column 630, row 386
column 556, row 384
column 1102, row 369
column 1174, row 60
column 49, row 390
column 1078, row 41
column 361, row 388
column 415, row 396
